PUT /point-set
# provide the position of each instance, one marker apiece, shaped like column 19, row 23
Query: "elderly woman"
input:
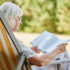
column 13, row 14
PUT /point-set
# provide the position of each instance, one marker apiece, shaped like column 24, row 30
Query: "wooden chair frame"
column 12, row 37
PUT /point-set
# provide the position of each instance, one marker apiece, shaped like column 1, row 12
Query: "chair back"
column 8, row 57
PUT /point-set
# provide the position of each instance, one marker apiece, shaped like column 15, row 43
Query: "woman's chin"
column 16, row 30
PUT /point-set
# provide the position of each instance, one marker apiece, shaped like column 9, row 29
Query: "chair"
column 59, row 62
column 8, row 59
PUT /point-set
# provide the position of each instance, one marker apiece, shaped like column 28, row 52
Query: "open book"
column 47, row 42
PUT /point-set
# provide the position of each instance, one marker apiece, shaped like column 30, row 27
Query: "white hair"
column 10, row 11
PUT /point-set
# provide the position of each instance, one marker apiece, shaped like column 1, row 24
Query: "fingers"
column 37, row 52
column 66, row 43
column 63, row 44
column 62, row 47
column 35, row 49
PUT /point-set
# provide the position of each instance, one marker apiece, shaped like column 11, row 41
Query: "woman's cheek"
column 13, row 24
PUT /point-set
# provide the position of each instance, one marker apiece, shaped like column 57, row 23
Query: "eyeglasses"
column 19, row 18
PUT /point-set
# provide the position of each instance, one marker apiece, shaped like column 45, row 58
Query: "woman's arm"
column 46, row 58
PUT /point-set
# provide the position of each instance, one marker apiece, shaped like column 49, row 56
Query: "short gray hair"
column 10, row 11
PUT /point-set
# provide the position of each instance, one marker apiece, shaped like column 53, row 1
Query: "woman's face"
column 16, row 24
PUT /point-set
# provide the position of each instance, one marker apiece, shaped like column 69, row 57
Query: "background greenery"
column 40, row 15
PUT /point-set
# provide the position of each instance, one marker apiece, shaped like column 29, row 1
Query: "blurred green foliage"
column 40, row 15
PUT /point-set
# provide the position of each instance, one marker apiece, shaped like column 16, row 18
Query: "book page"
column 40, row 38
column 44, row 41
column 56, row 44
column 47, row 42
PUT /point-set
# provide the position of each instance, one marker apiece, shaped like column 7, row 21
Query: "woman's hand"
column 62, row 47
column 34, row 48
